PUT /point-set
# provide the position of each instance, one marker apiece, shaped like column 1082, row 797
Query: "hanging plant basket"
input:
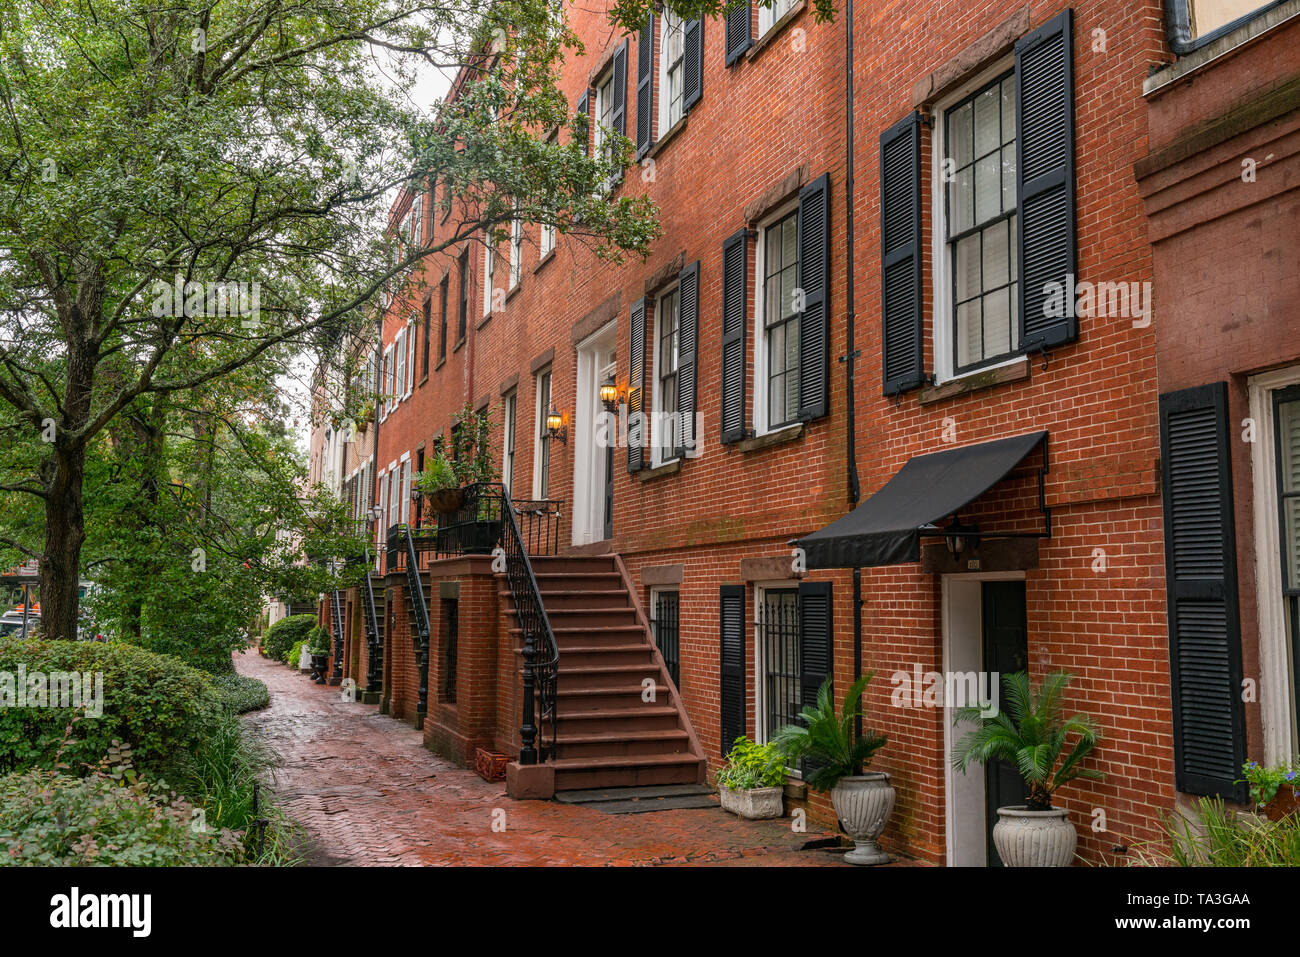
column 445, row 500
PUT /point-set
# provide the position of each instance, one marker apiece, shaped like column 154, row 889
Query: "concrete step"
column 641, row 717
column 573, row 774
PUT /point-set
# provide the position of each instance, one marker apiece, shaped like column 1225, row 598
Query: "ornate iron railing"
column 541, row 652
column 402, row 556
column 374, row 663
column 336, row 600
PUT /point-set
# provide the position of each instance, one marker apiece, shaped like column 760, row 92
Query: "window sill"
column 768, row 439
column 423, row 379
column 1013, row 371
column 459, row 343
column 543, row 261
column 763, row 42
column 513, row 290
column 660, row 471
column 442, row 361
column 668, row 136
column 483, row 322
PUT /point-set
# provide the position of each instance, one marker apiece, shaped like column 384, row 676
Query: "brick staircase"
column 607, row 736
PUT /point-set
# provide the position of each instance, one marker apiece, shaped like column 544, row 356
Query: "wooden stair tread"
column 600, row 737
column 606, row 689
column 623, row 761
column 608, row 714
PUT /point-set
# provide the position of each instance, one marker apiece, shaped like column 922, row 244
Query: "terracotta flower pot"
column 1284, row 804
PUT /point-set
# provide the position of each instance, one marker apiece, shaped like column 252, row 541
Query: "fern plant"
column 1029, row 732
column 830, row 742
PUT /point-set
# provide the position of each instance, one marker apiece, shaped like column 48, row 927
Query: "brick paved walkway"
column 367, row 792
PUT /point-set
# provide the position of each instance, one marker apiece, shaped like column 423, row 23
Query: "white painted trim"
column 943, row 347
column 657, row 457
column 758, row 385
column 662, row 91
column 539, row 424
column 588, row 515
column 969, row 856
column 1275, row 691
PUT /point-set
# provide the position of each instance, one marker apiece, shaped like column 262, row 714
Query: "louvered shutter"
column 739, row 28
column 900, row 268
column 692, row 63
column 1045, row 183
column 688, row 285
column 735, row 281
column 814, row 243
column 645, row 55
column 731, row 614
column 619, row 114
column 636, row 390
column 584, row 107
column 1201, row 585
column 815, row 646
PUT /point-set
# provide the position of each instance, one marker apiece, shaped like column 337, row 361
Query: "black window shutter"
column 645, row 56
column 1201, row 585
column 584, row 107
column 814, row 243
column 619, row 114
column 740, row 30
column 688, row 285
column 815, row 647
column 735, row 280
column 636, row 375
column 692, row 63
column 1045, row 182
column 732, row 690
column 900, row 268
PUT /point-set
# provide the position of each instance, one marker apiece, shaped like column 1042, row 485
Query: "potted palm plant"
column 752, row 782
column 1032, row 735
column 318, row 645
column 837, row 757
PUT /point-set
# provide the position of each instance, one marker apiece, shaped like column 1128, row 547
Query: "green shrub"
column 153, row 703
column 751, row 765
column 285, row 633
column 53, row 819
column 295, row 654
column 318, row 641
column 1225, row 838
column 241, row 693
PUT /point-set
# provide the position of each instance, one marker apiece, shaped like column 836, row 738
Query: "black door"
column 609, row 490
column 1006, row 650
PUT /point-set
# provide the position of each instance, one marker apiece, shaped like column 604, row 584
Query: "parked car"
column 11, row 624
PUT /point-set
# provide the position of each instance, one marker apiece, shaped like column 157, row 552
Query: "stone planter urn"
column 304, row 662
column 863, row 804
column 1026, row 838
column 753, row 804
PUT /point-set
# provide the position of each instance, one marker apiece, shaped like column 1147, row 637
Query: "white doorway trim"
column 589, row 467
column 963, row 794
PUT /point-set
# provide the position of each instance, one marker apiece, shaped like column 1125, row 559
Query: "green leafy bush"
column 295, row 654
column 751, row 765
column 318, row 641
column 153, row 703
column 52, row 819
column 285, row 633
column 1225, row 838
column 241, row 693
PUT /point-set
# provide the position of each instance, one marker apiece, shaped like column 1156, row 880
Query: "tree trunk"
column 65, row 532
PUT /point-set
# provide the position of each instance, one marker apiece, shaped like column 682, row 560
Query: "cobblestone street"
column 367, row 792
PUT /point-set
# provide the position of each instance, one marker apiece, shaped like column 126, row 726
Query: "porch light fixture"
column 610, row 396
column 555, row 426
column 958, row 536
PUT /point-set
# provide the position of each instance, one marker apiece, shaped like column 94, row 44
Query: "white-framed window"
column 604, row 109
column 768, row 17
column 388, row 381
column 489, row 274
column 976, row 209
column 404, row 489
column 381, row 526
column 417, row 219
column 664, row 424
column 546, row 242
column 516, row 251
column 776, row 321
column 399, row 374
column 776, row 657
column 412, row 327
column 394, row 495
column 541, row 437
column 509, row 412
column 672, row 69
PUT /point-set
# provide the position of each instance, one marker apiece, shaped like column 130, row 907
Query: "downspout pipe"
column 851, row 352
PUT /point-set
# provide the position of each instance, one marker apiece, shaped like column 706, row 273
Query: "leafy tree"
column 151, row 155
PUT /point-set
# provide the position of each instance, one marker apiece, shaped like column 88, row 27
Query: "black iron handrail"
column 541, row 651
column 374, row 665
column 420, row 616
column 337, row 603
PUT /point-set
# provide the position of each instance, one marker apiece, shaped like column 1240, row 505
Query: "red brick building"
column 1003, row 366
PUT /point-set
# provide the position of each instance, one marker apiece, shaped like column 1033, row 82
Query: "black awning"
column 886, row 529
